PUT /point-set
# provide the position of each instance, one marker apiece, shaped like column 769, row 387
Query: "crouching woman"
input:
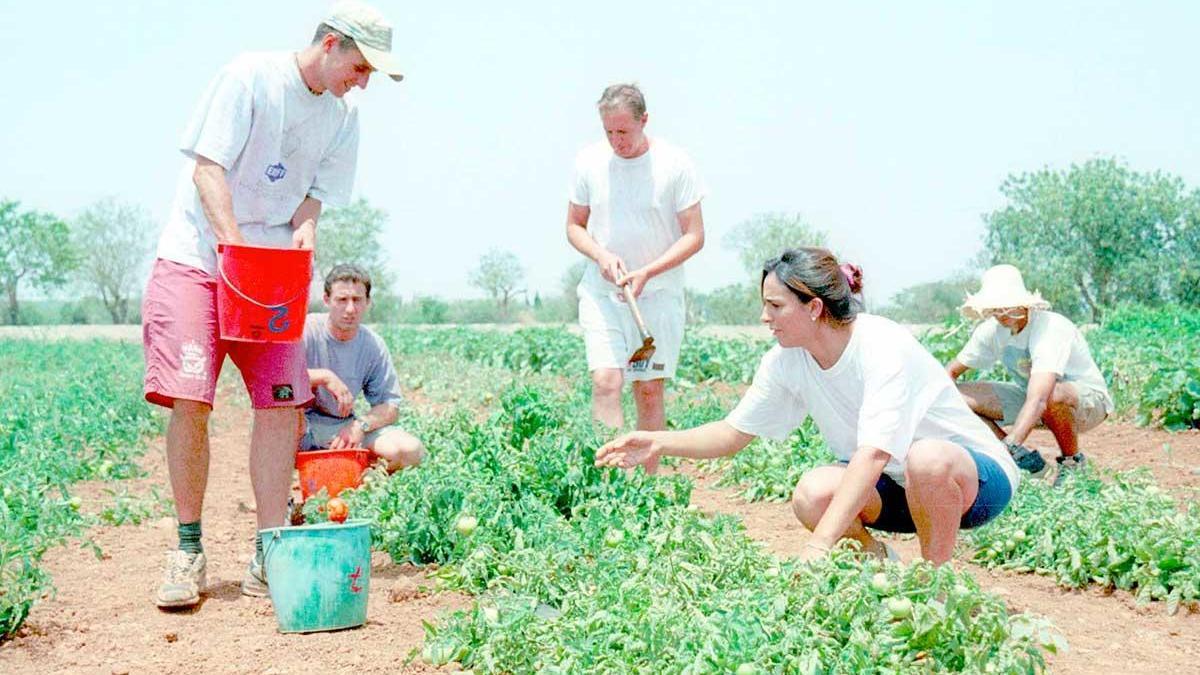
column 912, row 456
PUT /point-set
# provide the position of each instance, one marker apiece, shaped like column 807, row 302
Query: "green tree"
column 35, row 249
column 734, row 304
column 570, row 283
column 1187, row 254
column 350, row 234
column 766, row 235
column 114, row 240
column 932, row 302
column 1094, row 235
column 498, row 274
column 431, row 310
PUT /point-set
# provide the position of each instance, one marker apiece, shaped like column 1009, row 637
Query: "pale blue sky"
column 891, row 125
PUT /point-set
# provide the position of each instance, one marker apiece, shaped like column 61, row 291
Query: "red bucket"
column 334, row 470
column 262, row 292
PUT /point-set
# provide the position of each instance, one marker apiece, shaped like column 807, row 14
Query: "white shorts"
column 611, row 336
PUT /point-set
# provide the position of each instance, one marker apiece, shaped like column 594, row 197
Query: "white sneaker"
column 254, row 584
column 183, row 580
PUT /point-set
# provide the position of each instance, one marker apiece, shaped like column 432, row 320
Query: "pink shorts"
column 184, row 351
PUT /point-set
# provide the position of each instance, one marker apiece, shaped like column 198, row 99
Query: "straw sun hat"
column 1002, row 287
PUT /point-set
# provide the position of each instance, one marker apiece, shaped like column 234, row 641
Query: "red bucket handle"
column 235, row 289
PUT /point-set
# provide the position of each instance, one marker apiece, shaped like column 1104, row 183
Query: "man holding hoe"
column 634, row 212
column 271, row 141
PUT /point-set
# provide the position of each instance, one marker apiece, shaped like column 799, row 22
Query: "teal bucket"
column 319, row 575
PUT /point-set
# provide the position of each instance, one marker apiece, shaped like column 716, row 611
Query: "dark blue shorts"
column 994, row 494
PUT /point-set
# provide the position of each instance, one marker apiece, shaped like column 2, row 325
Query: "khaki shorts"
column 1089, row 412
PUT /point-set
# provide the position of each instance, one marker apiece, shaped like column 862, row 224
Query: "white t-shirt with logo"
column 885, row 392
column 634, row 206
column 1049, row 343
column 277, row 142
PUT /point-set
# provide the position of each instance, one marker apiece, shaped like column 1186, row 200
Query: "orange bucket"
column 262, row 292
column 334, row 470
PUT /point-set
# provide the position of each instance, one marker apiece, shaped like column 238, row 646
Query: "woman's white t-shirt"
column 885, row 391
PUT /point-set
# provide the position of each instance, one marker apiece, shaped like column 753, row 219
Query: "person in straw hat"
column 1055, row 381
column 273, row 139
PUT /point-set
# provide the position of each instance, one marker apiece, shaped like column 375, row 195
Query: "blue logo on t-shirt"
column 276, row 171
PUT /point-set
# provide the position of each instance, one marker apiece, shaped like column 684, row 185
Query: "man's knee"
column 1062, row 402
column 400, row 449
column 607, row 383
column 970, row 393
column 410, row 451
column 279, row 422
column 648, row 392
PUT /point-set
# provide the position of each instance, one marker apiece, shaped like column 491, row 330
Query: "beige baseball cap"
column 372, row 34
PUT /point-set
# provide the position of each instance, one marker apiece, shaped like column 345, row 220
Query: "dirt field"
column 103, row 621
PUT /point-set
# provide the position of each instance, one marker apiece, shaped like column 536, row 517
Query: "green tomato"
column 466, row 525
column 899, row 608
column 75, row 503
column 880, row 584
column 747, row 669
column 1019, row 536
column 491, row 614
column 614, row 537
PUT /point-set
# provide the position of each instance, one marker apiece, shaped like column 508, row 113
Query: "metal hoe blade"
column 643, row 353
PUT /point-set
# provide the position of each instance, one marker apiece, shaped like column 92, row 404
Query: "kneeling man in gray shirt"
column 344, row 359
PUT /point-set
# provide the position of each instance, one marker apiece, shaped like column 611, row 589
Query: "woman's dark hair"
column 347, row 272
column 811, row 272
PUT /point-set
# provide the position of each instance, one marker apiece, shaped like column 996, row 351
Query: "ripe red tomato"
column 337, row 510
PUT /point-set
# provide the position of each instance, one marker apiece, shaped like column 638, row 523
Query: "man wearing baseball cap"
column 271, row 142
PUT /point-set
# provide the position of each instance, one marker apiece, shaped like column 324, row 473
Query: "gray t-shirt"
column 363, row 363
